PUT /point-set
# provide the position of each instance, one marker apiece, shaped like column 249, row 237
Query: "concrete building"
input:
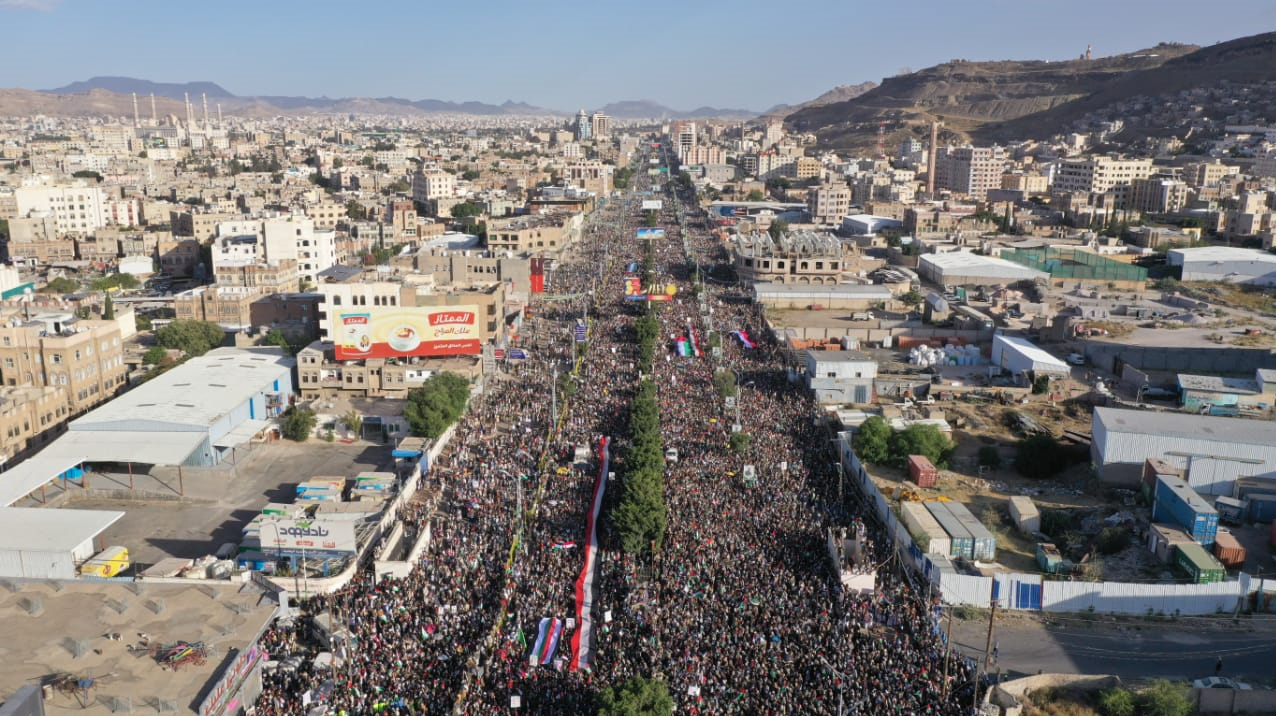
column 30, row 416
column 840, row 376
column 38, row 543
column 431, row 184
column 1157, row 195
column 828, row 203
column 590, row 175
column 528, row 234
column 1025, row 361
column 801, row 257
column 838, row 296
column 228, row 306
column 867, row 224
column 1200, row 392
column 600, row 125
column 1099, row 174
column 82, row 356
column 971, row 171
column 76, row 209
column 1213, row 451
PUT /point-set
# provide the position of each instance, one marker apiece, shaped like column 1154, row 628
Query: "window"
column 55, row 359
column 336, row 300
column 8, row 341
column 8, row 362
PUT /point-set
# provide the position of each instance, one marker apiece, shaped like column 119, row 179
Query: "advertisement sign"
column 402, row 332
column 319, row 535
column 652, row 205
column 645, row 234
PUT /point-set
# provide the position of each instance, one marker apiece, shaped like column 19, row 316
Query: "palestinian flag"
column 551, row 644
column 542, row 636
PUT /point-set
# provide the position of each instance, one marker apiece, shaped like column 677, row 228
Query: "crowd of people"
column 740, row 611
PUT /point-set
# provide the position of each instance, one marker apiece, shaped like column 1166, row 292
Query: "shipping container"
column 1262, row 508
column 962, row 542
column 1153, row 467
column 1244, row 486
column 1231, row 510
column 930, row 537
column 921, row 471
column 1048, row 558
column 1163, row 538
column 984, row 546
column 1200, row 566
column 1025, row 514
column 1176, row 503
column 1228, row 551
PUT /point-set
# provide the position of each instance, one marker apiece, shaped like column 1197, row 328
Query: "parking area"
column 217, row 503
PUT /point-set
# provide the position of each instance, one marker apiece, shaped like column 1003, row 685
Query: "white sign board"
column 289, row 535
column 652, row 205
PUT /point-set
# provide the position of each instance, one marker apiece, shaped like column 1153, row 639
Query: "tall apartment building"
column 270, row 276
column 600, row 125
column 295, row 238
column 537, row 234
column 84, row 357
column 30, row 416
column 1203, row 174
column 801, row 257
column 828, row 203
column 583, row 129
column 432, row 184
column 684, row 137
column 590, row 175
column 969, row 170
column 76, row 209
column 228, row 306
column 1157, row 195
column 401, row 217
column 1029, row 184
column 1099, row 174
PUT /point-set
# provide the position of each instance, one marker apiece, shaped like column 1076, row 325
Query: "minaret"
column 137, row 122
column 930, row 158
column 190, row 112
column 205, row 96
column 1087, row 53
column 219, row 115
column 154, row 114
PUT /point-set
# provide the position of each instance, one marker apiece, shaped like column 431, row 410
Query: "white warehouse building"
column 1225, row 263
column 962, row 268
column 1022, row 358
column 1214, row 451
column 47, row 543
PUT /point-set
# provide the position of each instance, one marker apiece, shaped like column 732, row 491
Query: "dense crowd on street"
column 740, row 611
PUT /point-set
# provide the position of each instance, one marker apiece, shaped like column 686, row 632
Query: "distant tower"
column 219, row 115
column 137, row 121
column 1087, row 53
column 154, row 114
column 930, row 158
column 190, row 112
column 205, row 111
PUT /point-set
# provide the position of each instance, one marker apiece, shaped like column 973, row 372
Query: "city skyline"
column 755, row 62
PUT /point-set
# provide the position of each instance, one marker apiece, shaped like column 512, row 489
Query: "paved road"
column 1131, row 649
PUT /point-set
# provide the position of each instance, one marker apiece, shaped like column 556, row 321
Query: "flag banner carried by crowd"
column 744, row 339
column 547, row 636
column 582, row 640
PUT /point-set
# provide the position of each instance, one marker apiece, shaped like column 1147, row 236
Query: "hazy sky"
column 568, row 54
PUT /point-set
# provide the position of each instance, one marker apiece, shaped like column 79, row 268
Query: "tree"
column 1113, row 539
column 356, row 211
column 466, row 209
column 1041, row 456
column 911, row 298
column 1164, row 698
column 88, row 174
column 1041, row 384
column 872, row 441
column 116, row 280
column 637, row 696
column 990, row 456
column 154, row 356
column 276, row 337
column 778, row 228
column 725, row 382
column 354, row 421
column 61, row 284
column 755, row 195
column 470, row 174
column 432, row 408
column 739, row 442
column 108, row 308
column 194, row 338
column 921, row 439
column 1116, row 702
column 298, row 423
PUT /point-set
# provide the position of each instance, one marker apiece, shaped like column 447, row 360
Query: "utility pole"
column 992, row 615
column 948, row 649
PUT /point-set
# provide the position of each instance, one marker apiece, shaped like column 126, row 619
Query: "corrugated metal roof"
column 1187, row 426
column 196, row 393
column 51, row 530
column 1217, row 384
column 964, row 263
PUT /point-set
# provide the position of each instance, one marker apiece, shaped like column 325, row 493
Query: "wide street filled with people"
column 740, row 611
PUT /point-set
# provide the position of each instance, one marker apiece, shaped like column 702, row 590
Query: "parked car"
column 1076, row 359
column 1159, row 392
column 1220, row 682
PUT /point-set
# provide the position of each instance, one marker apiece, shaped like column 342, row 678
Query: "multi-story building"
column 228, row 306
column 177, row 256
column 1028, row 184
column 590, row 175
column 201, row 226
column 800, row 257
column 326, row 214
column 525, row 234
column 684, row 137
column 466, row 268
column 600, row 125
column 807, row 168
column 1099, row 174
column 402, row 218
column 828, row 203
column 30, row 416
column 1203, row 174
column 583, row 128
column 1157, row 195
column 271, row 276
column 971, row 171
column 295, row 238
column 85, row 357
column 76, row 209
column 432, row 184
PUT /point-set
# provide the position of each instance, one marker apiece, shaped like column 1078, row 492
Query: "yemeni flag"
column 542, row 636
column 695, row 342
column 551, row 644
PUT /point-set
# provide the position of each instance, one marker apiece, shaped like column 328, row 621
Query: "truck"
column 107, row 563
column 862, row 316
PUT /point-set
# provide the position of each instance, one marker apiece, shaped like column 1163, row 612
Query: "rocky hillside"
column 840, row 93
column 968, row 96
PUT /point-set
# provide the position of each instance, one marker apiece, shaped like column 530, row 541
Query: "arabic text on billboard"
column 652, row 205
column 651, row 234
column 397, row 333
column 318, row 535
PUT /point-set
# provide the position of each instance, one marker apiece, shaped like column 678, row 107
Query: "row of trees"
column 641, row 516
column 432, row 408
column 877, row 444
